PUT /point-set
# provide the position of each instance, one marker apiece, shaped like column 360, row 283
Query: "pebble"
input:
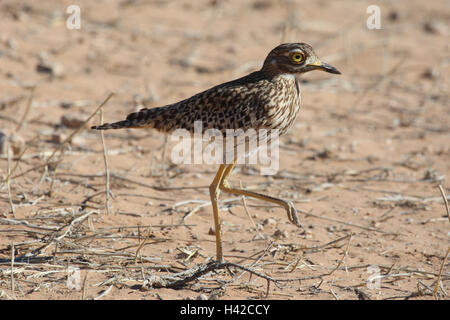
column 394, row 15
column 269, row 221
column 15, row 142
column 436, row 27
column 54, row 69
column 58, row 137
column 3, row 143
column 72, row 121
column 431, row 73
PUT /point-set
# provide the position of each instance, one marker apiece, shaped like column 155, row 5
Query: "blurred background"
column 370, row 147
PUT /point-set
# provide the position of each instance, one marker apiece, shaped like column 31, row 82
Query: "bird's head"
column 295, row 58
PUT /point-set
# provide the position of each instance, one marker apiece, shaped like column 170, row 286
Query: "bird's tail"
column 115, row 125
column 144, row 118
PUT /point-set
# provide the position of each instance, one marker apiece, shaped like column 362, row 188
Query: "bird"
column 265, row 99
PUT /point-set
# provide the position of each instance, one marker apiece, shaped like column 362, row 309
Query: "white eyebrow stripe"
column 294, row 51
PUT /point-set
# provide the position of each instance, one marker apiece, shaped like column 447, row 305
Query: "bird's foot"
column 292, row 214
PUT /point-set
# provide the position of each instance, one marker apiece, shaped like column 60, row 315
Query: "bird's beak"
column 325, row 67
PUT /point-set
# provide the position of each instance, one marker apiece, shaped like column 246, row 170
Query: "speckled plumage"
column 268, row 98
column 258, row 100
column 265, row 99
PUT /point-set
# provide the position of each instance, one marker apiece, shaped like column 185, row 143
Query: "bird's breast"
column 284, row 103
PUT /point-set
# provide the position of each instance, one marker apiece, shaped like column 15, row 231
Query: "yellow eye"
column 297, row 57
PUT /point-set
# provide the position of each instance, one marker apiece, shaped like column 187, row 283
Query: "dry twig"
column 180, row 279
column 438, row 280
column 444, row 197
column 105, row 160
column 66, row 141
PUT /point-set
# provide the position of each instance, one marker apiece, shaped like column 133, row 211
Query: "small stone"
column 211, row 231
column 54, row 69
column 431, row 174
column 92, row 55
column 280, row 234
column 353, row 145
column 262, row 4
column 3, row 143
column 17, row 144
column 10, row 43
column 269, row 221
column 14, row 142
column 395, row 123
column 58, row 137
column 147, row 100
column 78, row 141
column 435, row 27
column 72, row 121
column 431, row 73
column 66, row 104
column 394, row 15
column 202, row 296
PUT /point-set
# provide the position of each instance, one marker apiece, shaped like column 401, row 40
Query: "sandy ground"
column 362, row 164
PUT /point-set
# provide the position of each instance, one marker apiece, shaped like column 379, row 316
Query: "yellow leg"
column 220, row 182
column 290, row 209
column 214, row 193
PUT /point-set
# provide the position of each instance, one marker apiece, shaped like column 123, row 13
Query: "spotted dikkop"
column 265, row 99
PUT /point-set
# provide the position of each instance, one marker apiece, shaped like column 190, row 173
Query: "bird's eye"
column 297, row 57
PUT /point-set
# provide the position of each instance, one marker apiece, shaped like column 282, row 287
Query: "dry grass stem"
column 66, row 141
column 142, row 243
column 105, row 160
column 104, row 293
column 247, row 212
column 343, row 256
column 361, row 162
column 444, row 197
column 351, row 224
column 8, row 182
column 27, row 109
column 438, row 280
column 13, row 289
column 83, row 286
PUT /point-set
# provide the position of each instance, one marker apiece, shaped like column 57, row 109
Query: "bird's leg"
column 290, row 209
column 214, row 193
